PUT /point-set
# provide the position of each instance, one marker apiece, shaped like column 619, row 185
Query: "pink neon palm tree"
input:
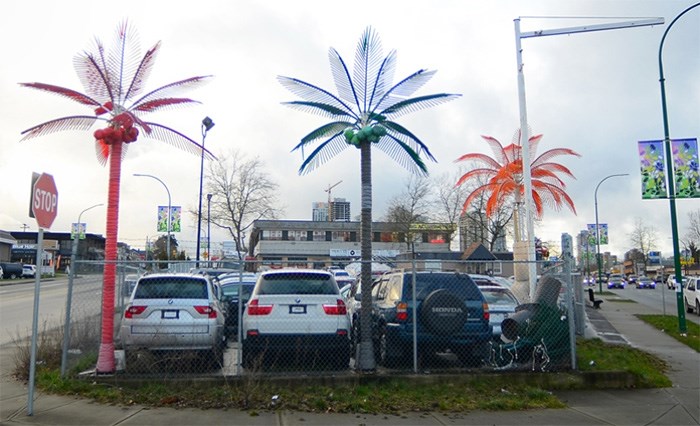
column 114, row 84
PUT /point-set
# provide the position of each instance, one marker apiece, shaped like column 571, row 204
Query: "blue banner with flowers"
column 685, row 168
column 653, row 168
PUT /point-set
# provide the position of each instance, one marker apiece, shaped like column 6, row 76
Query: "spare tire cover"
column 443, row 313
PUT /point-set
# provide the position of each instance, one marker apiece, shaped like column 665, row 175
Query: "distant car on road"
column 616, row 281
column 645, row 282
column 342, row 277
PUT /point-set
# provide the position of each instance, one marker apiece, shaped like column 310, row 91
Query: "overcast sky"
column 597, row 93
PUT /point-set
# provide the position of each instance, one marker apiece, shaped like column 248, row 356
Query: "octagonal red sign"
column 45, row 200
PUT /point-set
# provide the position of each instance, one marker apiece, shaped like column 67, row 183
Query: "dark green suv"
column 451, row 316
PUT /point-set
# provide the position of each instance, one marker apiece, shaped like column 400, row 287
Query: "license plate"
column 297, row 309
column 171, row 314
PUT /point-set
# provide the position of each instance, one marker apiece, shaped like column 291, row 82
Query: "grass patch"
column 596, row 355
column 669, row 325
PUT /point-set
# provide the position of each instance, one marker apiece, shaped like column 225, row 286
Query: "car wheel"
column 443, row 313
column 688, row 308
column 13, row 276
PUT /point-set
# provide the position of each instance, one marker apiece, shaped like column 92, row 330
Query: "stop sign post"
column 44, row 200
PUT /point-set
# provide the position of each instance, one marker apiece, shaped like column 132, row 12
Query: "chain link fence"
column 298, row 320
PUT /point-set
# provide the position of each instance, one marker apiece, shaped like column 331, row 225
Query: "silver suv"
column 298, row 315
column 174, row 311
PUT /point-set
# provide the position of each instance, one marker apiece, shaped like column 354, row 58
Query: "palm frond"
column 481, row 158
column 475, row 173
column 341, row 77
column 497, row 148
column 312, row 93
column 405, row 88
column 416, row 104
column 142, row 72
column 368, row 57
column 407, row 137
column 324, row 152
column 176, row 139
column 327, row 130
column 385, row 77
column 123, row 60
column 403, row 154
column 62, row 91
column 93, row 78
column 547, row 155
column 159, row 104
column 75, row 122
column 474, row 195
column 547, row 176
column 165, row 91
column 555, row 167
column 320, row 109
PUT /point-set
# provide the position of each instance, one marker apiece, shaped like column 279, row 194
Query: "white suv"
column 296, row 315
column 691, row 294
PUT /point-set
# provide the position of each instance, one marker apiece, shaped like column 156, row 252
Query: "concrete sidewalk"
column 677, row 405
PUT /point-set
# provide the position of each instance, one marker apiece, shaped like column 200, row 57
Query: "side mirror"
column 358, row 297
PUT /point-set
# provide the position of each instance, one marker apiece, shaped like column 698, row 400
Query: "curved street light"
column 169, row 208
column 69, row 296
column 671, row 193
column 597, row 230
column 207, row 124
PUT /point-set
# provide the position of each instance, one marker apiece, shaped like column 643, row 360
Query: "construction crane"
column 328, row 190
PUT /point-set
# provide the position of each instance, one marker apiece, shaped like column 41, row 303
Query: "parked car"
column 671, row 282
column 451, row 314
column 11, row 270
column 2, row 273
column 616, row 281
column 502, row 303
column 28, row 271
column 342, row 277
column 297, row 314
column 645, row 282
column 174, row 312
column 691, row 295
column 234, row 288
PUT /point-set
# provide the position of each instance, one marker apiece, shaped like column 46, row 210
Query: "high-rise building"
column 319, row 212
column 340, row 210
column 472, row 229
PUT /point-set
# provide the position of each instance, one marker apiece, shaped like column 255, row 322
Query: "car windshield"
column 230, row 290
column 297, row 283
column 171, row 288
column 495, row 297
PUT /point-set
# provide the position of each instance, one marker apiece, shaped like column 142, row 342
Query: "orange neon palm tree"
column 114, row 85
column 503, row 175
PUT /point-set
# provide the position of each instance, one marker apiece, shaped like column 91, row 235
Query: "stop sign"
column 45, row 200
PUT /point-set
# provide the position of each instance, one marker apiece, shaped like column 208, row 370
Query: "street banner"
column 162, row 219
column 685, row 168
column 653, row 169
column 77, row 230
column 602, row 231
column 175, row 222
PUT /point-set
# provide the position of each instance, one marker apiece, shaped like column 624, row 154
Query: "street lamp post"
column 69, row 295
column 597, row 229
column 168, row 224
column 671, row 193
column 524, row 133
column 209, row 228
column 207, row 124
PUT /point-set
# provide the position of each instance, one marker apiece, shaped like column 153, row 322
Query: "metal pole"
column 671, row 192
column 209, row 228
column 35, row 321
column 69, row 296
column 207, row 124
column 168, row 224
column 597, row 230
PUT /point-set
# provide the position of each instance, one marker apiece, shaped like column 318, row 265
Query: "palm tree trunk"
column 366, row 361
column 105, row 360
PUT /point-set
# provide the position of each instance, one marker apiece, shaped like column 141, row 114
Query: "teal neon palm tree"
column 114, row 81
column 363, row 115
